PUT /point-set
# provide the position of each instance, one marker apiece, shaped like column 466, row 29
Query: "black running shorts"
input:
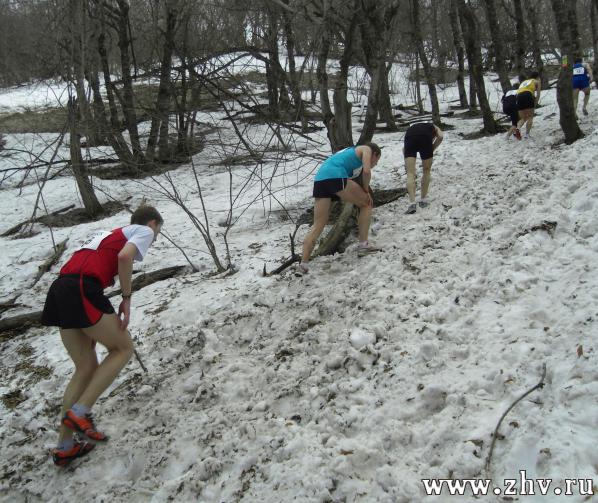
column 329, row 188
column 75, row 301
column 421, row 144
column 525, row 101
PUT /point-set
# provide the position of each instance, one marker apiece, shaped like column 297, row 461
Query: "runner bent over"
column 424, row 138
column 509, row 107
column 76, row 303
column 333, row 181
column 528, row 98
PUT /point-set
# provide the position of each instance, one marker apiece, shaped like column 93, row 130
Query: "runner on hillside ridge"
column 77, row 305
column 528, row 98
column 425, row 138
column 582, row 78
column 334, row 180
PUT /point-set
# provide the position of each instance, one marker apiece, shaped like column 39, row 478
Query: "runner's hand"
column 125, row 310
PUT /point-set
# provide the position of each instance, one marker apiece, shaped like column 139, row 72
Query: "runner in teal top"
column 344, row 164
column 334, row 181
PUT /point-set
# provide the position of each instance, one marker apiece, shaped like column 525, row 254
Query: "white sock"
column 80, row 410
column 363, row 244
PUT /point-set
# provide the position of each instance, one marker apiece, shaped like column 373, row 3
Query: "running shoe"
column 302, row 268
column 424, row 204
column 517, row 134
column 585, row 111
column 412, row 209
column 83, row 424
column 65, row 457
column 368, row 249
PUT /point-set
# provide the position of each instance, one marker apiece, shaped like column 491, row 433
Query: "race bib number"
column 95, row 241
column 579, row 71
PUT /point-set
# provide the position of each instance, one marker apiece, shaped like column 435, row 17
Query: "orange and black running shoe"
column 63, row 458
column 83, row 424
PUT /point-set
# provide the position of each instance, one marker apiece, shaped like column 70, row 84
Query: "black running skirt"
column 525, row 100
column 75, row 301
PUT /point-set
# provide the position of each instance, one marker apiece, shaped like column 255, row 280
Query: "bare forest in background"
column 138, row 72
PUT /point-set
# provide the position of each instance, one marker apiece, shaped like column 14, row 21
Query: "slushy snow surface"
column 351, row 383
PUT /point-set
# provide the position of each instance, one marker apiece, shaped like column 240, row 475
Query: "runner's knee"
column 86, row 368
column 126, row 346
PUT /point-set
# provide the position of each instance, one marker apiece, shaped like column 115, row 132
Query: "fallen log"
column 347, row 220
column 16, row 325
column 145, row 279
column 17, row 228
column 345, row 217
column 340, row 230
column 5, row 306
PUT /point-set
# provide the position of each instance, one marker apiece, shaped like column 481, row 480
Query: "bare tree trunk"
column 436, row 44
column 386, row 114
column 594, row 22
column 574, row 27
column 520, row 37
column 567, row 33
column 536, row 47
column 498, row 45
column 376, row 19
column 79, row 48
column 293, row 77
column 341, row 128
column 473, row 93
column 327, row 115
column 418, row 84
column 128, row 98
column 471, row 35
column 272, row 78
column 183, row 117
column 90, row 201
column 118, row 142
column 453, row 17
column 164, row 90
column 430, row 81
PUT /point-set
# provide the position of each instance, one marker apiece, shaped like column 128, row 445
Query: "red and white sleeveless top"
column 98, row 257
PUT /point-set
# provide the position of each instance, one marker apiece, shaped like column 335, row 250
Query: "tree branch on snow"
column 50, row 261
column 488, row 465
column 15, row 325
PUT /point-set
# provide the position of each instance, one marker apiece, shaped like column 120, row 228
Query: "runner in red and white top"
column 77, row 305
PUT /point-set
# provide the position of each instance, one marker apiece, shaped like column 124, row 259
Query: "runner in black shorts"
column 425, row 139
column 528, row 98
column 509, row 107
column 337, row 179
column 77, row 305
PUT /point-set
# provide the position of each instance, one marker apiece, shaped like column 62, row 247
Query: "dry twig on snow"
column 495, row 434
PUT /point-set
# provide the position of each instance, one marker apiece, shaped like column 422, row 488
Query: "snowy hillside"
column 351, row 383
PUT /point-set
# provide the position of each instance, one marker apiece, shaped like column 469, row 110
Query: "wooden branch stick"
column 140, row 361
column 47, row 265
column 17, row 227
column 495, row 434
column 288, row 263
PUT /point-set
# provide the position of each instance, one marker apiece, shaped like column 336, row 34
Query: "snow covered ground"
column 356, row 381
